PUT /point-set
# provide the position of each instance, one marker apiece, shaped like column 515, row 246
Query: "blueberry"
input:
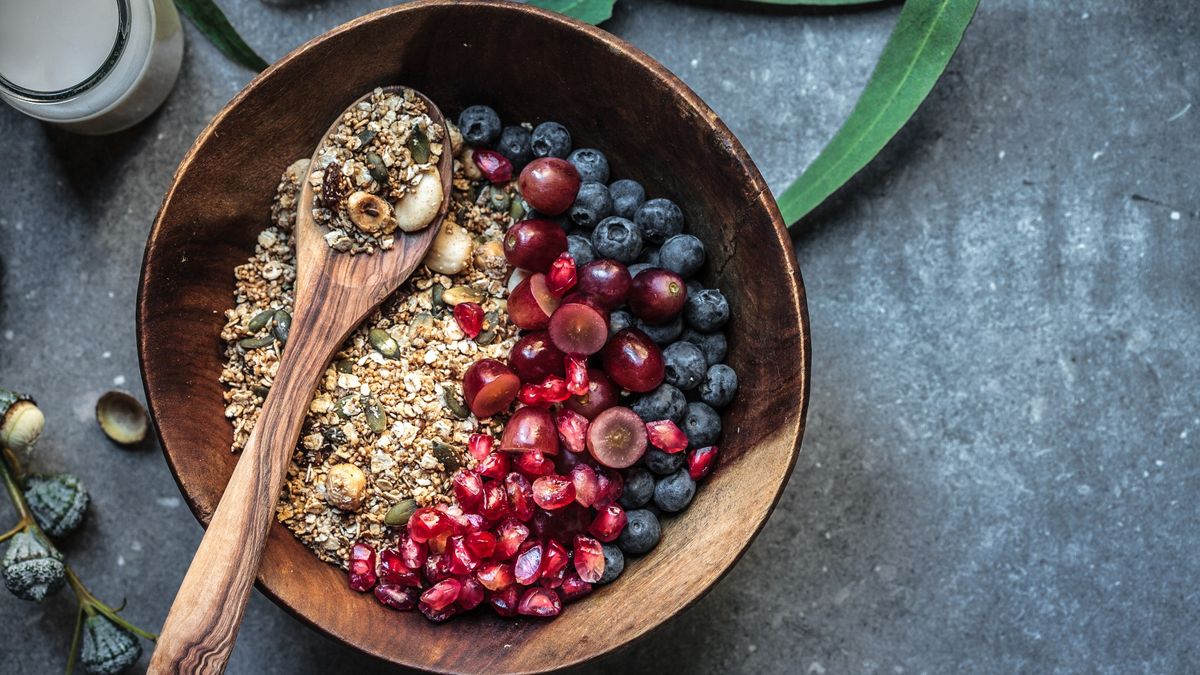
column 614, row 563
column 719, row 386
column 618, row 320
column 638, row 267
column 580, row 248
column 675, row 492
column 660, row 219
column 685, row 366
column 617, row 238
column 662, row 463
column 702, row 425
column 551, row 139
column 651, row 257
column 712, row 344
column 682, row 254
column 628, row 196
column 480, row 125
column 639, row 488
column 663, row 333
column 707, row 310
column 693, row 285
column 664, row 403
column 641, row 533
column 592, row 205
column 514, row 144
column 591, row 164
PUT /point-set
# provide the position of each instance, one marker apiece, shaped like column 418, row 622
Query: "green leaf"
column 591, row 11
column 825, row 3
column 924, row 39
column 212, row 22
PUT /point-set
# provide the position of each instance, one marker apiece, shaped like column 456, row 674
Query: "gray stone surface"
column 1001, row 467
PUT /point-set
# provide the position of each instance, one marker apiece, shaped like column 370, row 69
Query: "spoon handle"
column 202, row 625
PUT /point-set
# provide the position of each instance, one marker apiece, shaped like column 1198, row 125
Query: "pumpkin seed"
column 423, row 320
column 377, row 419
column 348, row 406
column 455, row 404
column 376, row 168
column 459, row 294
column 256, row 343
column 344, row 365
column 260, row 390
column 418, row 146
column 491, row 318
column 518, row 209
column 445, row 454
column 400, row 513
column 365, row 136
column 283, row 325
column 334, row 435
column 486, row 337
column 260, row 320
column 383, row 343
column 499, row 200
column 436, row 292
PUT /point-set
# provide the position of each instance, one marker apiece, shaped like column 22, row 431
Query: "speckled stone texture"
column 1000, row 472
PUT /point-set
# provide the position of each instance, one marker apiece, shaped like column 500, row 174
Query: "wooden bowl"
column 531, row 65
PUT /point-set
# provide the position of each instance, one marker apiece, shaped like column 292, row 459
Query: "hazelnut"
column 369, row 213
column 345, row 487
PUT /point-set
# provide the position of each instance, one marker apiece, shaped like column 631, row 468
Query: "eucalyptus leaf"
column 819, row 3
column 212, row 22
column 916, row 54
column 591, row 11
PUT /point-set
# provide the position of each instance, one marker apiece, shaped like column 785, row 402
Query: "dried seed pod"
column 400, row 513
column 21, row 421
column 460, row 294
column 107, row 648
column 421, row 204
column 450, row 251
column 369, row 213
column 383, row 343
column 122, row 417
column 57, row 502
column 345, row 487
column 32, row 568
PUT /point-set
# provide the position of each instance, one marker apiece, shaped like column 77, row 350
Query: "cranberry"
column 607, row 281
column 504, row 602
column 553, row 492
column 534, row 244
column 561, row 277
column 469, row 316
column 587, row 484
column 534, row 358
column 666, row 436
column 399, row 598
column 700, row 461
column 589, row 558
column 468, row 489
column 495, row 576
column 608, row 524
column 657, row 295
column 617, row 438
column 520, row 495
column 549, row 184
column 495, row 465
column 530, row 429
column 574, row 588
column 541, row 602
column 577, row 375
column 479, row 445
column 633, row 361
column 572, row 430
column 494, row 165
column 509, row 536
column 442, row 594
column 576, row 328
column 528, row 566
column 489, row 387
column 601, row 395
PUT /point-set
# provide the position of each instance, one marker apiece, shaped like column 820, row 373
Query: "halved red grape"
column 633, row 361
column 617, row 437
column 606, row 280
column 534, row 357
column 601, row 395
column 576, row 328
column 657, row 295
column 530, row 429
column 534, row 244
column 549, row 184
column 489, row 387
column 531, row 303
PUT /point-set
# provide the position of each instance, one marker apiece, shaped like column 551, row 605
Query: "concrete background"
column 1000, row 472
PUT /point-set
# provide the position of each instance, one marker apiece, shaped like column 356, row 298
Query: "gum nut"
column 419, row 207
column 368, row 212
column 470, row 170
column 122, row 418
column 451, row 249
column 22, row 426
column 345, row 487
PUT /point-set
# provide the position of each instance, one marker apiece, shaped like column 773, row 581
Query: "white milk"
column 90, row 66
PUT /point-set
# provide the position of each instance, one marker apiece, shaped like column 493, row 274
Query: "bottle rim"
column 114, row 55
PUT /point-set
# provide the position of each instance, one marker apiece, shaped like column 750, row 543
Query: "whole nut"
column 370, row 213
column 459, row 294
column 451, row 250
column 345, row 487
column 489, row 257
column 417, row 208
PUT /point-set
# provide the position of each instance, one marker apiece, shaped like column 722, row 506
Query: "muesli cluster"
column 378, row 173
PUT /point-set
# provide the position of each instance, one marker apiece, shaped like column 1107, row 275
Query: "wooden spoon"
column 334, row 292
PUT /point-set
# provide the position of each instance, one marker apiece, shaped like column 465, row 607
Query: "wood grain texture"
column 334, row 292
column 653, row 129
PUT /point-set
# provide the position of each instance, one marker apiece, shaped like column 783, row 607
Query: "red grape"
column 633, row 361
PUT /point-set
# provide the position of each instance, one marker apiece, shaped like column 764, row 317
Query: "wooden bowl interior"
column 531, row 66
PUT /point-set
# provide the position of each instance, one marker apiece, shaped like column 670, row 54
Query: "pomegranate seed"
column 553, row 580
column 531, row 394
column 577, row 375
column 539, row 602
column 504, row 602
column 437, row 616
column 437, row 567
column 412, row 553
column 555, row 558
column 534, row 464
column 361, row 573
column 572, row 429
column 394, row 571
column 701, row 461
column 608, row 523
column 553, row 492
column 480, row 445
column 427, row 523
column 494, row 165
column 442, row 594
column 397, row 597
column 574, row 588
column 471, row 594
column 495, row 465
column 589, row 558
column 561, row 277
column 469, row 316
column 520, row 495
column 551, row 390
column 495, row 576
column 587, row 485
column 509, row 537
column 611, row 487
column 462, row 559
column 667, row 437
column 562, row 524
column 468, row 489
column 438, row 544
column 528, row 566
column 495, row 504
column 482, row 544
column 474, row 522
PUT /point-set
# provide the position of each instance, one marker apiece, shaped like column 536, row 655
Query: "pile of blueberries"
column 615, row 220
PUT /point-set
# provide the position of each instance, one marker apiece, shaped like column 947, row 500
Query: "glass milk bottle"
column 88, row 66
